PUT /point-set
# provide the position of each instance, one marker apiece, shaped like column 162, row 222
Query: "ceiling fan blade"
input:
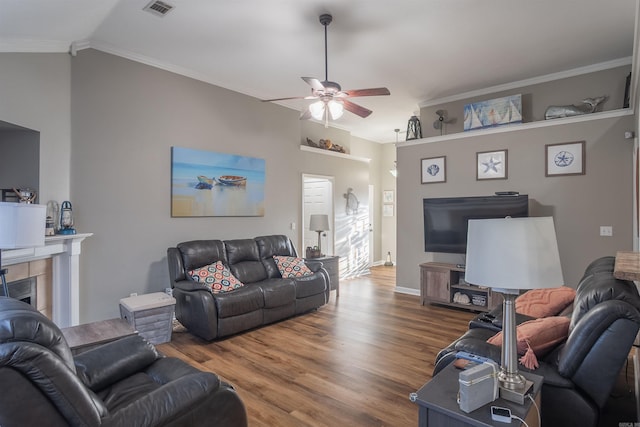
column 314, row 83
column 356, row 109
column 374, row 91
column 283, row 99
column 305, row 115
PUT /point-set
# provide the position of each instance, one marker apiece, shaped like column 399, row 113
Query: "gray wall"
column 579, row 204
column 125, row 118
column 35, row 90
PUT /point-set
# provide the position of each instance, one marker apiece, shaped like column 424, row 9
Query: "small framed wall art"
column 565, row 159
column 434, row 170
column 387, row 196
column 387, row 210
column 491, row 165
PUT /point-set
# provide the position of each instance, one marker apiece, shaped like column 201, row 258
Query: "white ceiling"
column 421, row 50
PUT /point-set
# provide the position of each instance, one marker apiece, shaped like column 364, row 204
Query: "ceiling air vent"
column 158, row 8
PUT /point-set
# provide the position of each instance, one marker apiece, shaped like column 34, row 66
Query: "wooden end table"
column 89, row 335
column 332, row 265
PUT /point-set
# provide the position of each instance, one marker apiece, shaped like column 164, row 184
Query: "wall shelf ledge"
column 334, row 154
column 521, row 127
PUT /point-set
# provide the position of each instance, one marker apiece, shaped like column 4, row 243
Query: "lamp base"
column 516, row 395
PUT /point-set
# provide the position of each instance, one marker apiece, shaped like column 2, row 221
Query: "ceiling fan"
column 331, row 98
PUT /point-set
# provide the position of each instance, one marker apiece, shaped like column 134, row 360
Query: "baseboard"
column 409, row 291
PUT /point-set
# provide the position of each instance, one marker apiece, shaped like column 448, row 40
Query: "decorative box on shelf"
column 150, row 314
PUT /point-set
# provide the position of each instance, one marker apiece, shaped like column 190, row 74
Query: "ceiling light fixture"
column 394, row 171
column 322, row 109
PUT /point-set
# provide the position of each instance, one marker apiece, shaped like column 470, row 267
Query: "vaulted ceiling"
column 421, row 50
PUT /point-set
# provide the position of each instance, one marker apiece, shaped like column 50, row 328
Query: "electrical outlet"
column 606, row 230
column 293, row 225
column 168, row 291
column 133, row 294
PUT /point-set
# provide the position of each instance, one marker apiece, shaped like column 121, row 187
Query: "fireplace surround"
column 64, row 251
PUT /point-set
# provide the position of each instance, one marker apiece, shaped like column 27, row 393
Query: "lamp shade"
column 22, row 225
column 319, row 223
column 513, row 253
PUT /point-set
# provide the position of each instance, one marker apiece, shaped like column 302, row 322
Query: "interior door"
column 317, row 197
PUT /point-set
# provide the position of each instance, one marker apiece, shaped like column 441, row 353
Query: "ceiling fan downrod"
column 325, row 20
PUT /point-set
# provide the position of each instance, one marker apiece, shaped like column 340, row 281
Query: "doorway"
column 317, row 198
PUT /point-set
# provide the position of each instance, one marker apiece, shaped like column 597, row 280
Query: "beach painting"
column 208, row 183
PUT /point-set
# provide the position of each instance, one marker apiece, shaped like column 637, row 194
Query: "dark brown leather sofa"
column 265, row 298
column 123, row 383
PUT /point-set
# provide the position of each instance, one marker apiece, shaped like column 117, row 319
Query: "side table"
column 438, row 406
column 89, row 335
column 332, row 265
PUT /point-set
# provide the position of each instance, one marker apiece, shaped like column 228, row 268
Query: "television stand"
column 443, row 284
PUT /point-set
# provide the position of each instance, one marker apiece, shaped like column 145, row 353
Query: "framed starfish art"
column 491, row 165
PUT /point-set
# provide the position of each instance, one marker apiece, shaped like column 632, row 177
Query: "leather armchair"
column 122, row 383
column 580, row 373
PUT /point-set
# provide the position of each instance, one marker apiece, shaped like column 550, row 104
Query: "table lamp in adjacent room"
column 22, row 225
column 319, row 223
column 510, row 255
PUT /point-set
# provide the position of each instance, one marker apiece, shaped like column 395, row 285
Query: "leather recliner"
column 121, row 383
column 580, row 373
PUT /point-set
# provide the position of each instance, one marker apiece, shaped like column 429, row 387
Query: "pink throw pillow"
column 536, row 338
column 545, row 302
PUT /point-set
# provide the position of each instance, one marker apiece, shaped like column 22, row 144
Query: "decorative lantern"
column 53, row 212
column 413, row 128
column 66, row 219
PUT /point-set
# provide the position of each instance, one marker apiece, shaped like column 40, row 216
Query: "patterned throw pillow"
column 290, row 266
column 545, row 302
column 217, row 276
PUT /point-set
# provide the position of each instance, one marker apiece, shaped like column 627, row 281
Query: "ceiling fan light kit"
column 331, row 99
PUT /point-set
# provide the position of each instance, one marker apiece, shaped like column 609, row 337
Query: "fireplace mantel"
column 65, row 253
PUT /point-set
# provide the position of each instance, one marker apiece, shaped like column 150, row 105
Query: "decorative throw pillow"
column 217, row 276
column 290, row 266
column 545, row 302
column 536, row 338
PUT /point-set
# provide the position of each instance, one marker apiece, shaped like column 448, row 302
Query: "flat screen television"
column 446, row 218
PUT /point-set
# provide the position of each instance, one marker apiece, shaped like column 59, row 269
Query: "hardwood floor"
column 352, row 362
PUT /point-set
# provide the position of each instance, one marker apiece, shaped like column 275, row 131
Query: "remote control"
column 472, row 357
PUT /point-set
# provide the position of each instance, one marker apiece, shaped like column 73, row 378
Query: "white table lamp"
column 22, row 225
column 509, row 255
column 319, row 223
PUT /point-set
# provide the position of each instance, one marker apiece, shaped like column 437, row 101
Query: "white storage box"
column 151, row 315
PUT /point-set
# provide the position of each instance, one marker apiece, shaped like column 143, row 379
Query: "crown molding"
column 532, row 81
